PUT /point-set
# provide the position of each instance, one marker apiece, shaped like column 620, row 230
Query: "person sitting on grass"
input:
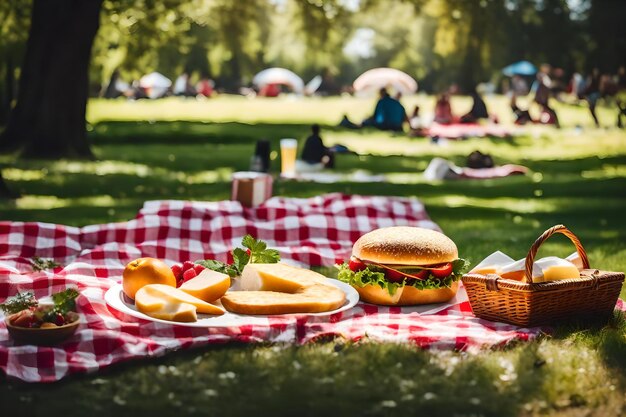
column 521, row 116
column 314, row 151
column 443, row 110
column 389, row 114
column 478, row 111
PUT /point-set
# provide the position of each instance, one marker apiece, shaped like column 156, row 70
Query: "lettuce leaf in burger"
column 404, row 266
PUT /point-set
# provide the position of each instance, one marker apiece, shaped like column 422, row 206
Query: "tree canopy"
column 436, row 41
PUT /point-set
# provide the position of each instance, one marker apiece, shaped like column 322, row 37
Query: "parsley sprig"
column 64, row 302
column 41, row 264
column 255, row 251
column 20, row 301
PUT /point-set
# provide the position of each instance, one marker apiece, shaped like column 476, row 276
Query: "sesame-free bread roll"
column 402, row 245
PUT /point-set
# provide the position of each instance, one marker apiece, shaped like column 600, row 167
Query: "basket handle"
column 559, row 228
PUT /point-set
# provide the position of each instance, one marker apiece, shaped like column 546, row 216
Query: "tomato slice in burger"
column 356, row 265
column 423, row 274
column 394, row 276
column 442, row 271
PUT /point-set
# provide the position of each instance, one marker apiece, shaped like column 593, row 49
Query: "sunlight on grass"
column 50, row 202
column 16, row 174
column 516, row 205
column 217, row 175
column 327, row 110
column 607, row 171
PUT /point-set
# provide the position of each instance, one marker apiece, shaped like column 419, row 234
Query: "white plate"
column 115, row 298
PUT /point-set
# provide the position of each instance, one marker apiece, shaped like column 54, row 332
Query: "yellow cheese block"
column 486, row 270
column 558, row 272
column 208, row 286
column 154, row 298
column 282, row 289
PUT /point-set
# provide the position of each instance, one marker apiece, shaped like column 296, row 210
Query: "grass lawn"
column 175, row 149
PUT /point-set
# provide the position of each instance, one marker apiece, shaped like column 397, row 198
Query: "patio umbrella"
column 279, row 76
column 520, row 68
column 155, row 84
column 377, row 78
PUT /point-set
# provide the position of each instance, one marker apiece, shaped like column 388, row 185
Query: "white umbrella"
column 155, row 84
column 279, row 76
column 155, row 80
column 385, row 77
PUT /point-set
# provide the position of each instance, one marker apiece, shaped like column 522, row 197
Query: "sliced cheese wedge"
column 208, row 285
column 174, row 311
column 154, row 298
column 282, row 289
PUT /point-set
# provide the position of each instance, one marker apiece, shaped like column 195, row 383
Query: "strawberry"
column 59, row 320
column 187, row 265
column 198, row 268
column 178, row 271
column 189, row 274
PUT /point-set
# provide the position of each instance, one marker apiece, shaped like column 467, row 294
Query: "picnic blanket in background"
column 316, row 231
column 467, row 130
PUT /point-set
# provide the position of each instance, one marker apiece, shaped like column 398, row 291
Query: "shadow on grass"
column 186, row 132
column 329, row 378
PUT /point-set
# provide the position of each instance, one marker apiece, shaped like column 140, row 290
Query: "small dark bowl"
column 38, row 336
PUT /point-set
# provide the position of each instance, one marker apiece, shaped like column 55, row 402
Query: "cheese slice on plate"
column 208, row 285
column 174, row 311
column 282, row 289
column 161, row 299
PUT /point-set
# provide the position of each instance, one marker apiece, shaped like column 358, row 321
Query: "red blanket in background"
column 315, row 231
column 466, row 130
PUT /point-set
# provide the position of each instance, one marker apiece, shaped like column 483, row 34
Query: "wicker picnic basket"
column 591, row 297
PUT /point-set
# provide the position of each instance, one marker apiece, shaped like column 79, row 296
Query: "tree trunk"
column 6, row 96
column 48, row 120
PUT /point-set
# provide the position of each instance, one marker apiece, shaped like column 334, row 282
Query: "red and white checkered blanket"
column 315, row 231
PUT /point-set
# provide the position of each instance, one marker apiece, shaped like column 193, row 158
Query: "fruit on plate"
column 169, row 303
column 145, row 271
column 208, row 285
column 187, row 271
column 282, row 289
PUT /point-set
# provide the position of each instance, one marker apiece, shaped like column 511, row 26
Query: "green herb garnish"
column 41, row 264
column 65, row 301
column 256, row 252
column 19, row 302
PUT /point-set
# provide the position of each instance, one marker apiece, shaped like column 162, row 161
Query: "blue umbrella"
column 520, row 68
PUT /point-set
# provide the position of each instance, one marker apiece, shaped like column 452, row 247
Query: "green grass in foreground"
column 578, row 179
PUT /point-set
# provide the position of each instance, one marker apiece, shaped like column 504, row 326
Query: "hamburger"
column 403, row 266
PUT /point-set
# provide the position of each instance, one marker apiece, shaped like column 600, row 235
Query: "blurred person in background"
column 443, row 110
column 116, row 87
column 592, row 93
column 478, row 111
column 205, row 86
column 389, row 114
column 183, row 87
column 542, row 96
column 620, row 97
column 314, row 151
